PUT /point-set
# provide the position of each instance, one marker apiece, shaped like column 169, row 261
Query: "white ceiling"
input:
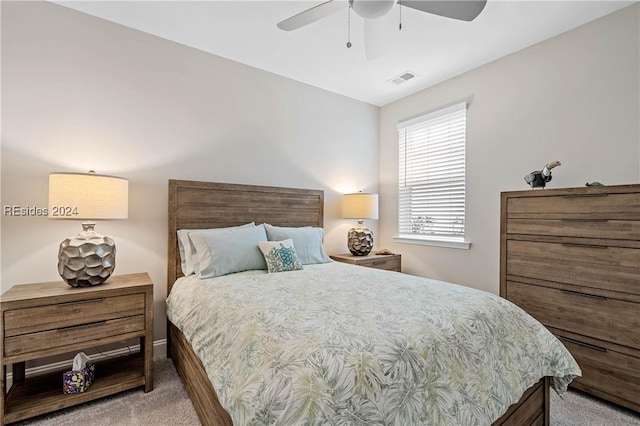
column 433, row 47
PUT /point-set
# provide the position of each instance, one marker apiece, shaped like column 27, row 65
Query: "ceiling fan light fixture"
column 372, row 9
column 373, row 12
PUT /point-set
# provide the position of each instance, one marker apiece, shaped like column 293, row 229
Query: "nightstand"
column 45, row 319
column 390, row 262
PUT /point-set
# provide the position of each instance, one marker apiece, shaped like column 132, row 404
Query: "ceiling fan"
column 374, row 10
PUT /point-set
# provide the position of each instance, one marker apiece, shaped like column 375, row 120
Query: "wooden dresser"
column 571, row 259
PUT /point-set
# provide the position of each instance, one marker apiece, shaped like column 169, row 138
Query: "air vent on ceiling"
column 405, row 76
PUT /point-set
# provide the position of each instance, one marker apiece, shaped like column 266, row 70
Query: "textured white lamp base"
column 86, row 259
column 360, row 240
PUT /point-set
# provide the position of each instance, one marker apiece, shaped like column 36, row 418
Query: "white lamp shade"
column 88, row 196
column 360, row 206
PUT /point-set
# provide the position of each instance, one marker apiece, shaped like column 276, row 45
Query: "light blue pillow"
column 306, row 240
column 188, row 256
column 280, row 256
column 228, row 250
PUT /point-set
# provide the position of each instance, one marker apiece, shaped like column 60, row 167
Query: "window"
column 431, row 178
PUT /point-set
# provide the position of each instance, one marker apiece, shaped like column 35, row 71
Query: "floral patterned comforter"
column 343, row 344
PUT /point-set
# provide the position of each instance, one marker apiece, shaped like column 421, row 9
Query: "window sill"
column 425, row 241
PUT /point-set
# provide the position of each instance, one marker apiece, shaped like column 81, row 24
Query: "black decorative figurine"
column 539, row 179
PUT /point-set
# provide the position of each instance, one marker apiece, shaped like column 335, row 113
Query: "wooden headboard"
column 194, row 205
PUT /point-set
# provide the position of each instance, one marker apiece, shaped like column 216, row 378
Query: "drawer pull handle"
column 577, row 293
column 79, row 302
column 81, row 326
column 584, row 195
column 593, row 246
column 579, row 343
column 586, row 220
column 381, row 262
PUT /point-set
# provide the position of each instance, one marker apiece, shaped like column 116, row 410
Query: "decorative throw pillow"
column 188, row 255
column 307, row 241
column 224, row 251
column 280, row 256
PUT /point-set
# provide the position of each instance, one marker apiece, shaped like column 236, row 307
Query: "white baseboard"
column 159, row 352
column 160, row 349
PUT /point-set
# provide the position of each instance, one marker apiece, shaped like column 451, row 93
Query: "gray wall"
column 573, row 98
column 82, row 93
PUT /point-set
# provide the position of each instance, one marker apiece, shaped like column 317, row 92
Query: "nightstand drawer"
column 49, row 317
column 68, row 336
column 390, row 264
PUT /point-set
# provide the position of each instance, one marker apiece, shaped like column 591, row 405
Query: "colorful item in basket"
column 80, row 377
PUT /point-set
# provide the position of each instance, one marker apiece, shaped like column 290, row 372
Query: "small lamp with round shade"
column 88, row 258
column 360, row 206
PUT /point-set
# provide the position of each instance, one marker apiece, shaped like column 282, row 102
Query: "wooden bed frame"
column 194, row 205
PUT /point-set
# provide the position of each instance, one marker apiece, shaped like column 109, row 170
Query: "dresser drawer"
column 47, row 317
column 604, row 370
column 601, row 267
column 608, row 319
column 576, row 206
column 582, row 228
column 68, row 336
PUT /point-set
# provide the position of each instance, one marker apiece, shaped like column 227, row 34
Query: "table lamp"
column 88, row 258
column 360, row 206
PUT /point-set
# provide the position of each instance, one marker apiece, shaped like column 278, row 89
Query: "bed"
column 203, row 205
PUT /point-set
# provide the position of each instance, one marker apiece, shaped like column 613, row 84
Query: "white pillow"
column 280, row 256
column 306, row 240
column 188, row 256
column 227, row 250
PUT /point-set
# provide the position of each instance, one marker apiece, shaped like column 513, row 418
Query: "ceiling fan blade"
column 464, row 10
column 375, row 38
column 310, row 15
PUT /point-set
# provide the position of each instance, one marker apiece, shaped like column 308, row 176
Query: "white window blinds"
column 432, row 175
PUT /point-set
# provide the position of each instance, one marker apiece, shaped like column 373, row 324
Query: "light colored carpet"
column 169, row 404
column 579, row 409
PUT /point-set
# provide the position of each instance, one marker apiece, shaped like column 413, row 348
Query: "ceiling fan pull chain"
column 349, row 27
column 400, row 24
